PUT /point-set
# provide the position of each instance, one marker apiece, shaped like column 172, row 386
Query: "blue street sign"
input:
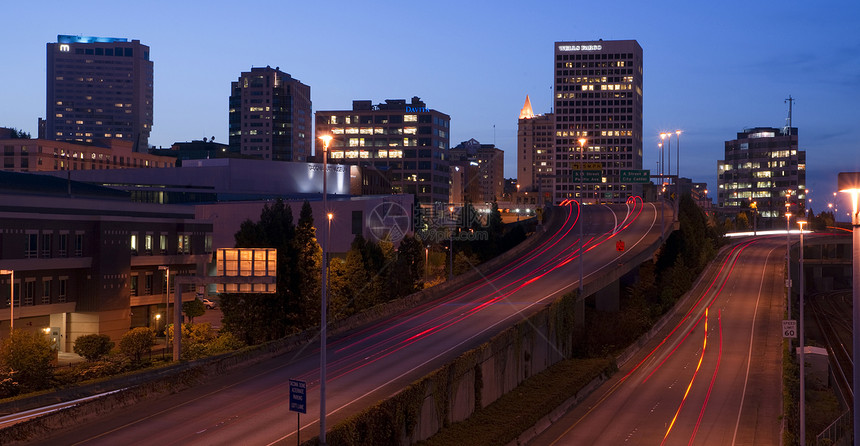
column 298, row 400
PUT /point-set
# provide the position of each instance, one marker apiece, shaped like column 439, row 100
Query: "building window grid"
column 79, row 245
column 46, row 245
column 183, row 244
column 29, row 292
column 31, row 250
column 46, row 291
column 62, row 289
column 62, row 245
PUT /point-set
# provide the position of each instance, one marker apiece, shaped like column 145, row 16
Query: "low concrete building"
column 86, row 259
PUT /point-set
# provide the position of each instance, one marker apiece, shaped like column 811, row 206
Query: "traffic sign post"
column 298, row 403
column 789, row 329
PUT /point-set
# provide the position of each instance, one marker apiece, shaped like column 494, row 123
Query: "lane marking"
column 749, row 353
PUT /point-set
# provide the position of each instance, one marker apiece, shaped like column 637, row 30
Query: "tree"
column 28, row 356
column 406, row 272
column 93, row 346
column 137, row 342
column 339, row 294
column 465, row 262
column 257, row 318
column 355, row 277
column 193, row 308
column 742, row 222
column 19, row 134
column 307, row 272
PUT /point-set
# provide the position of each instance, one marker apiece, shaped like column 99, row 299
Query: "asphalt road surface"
column 250, row 405
column 713, row 378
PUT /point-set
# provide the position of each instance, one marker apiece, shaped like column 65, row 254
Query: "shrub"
column 192, row 333
column 225, row 342
column 193, row 308
column 199, row 341
column 93, row 346
column 85, row 371
column 8, row 383
column 26, row 358
column 137, row 342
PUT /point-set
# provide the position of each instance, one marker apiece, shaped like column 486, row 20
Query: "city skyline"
column 709, row 70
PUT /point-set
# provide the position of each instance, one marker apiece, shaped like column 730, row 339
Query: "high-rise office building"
column 762, row 165
column 97, row 88
column 483, row 166
column 535, row 144
column 598, row 98
column 270, row 116
column 409, row 141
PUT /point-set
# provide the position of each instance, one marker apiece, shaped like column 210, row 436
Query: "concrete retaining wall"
column 484, row 374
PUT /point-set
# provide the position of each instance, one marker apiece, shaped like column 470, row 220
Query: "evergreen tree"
column 382, row 276
column 339, row 292
column 355, row 278
column 407, row 268
column 260, row 317
column 307, row 271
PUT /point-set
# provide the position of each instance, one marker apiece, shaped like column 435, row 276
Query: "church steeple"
column 526, row 112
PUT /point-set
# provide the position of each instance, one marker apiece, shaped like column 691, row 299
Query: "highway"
column 249, row 405
column 713, row 377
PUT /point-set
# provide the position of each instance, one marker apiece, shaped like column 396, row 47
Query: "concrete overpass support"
column 579, row 312
column 608, row 298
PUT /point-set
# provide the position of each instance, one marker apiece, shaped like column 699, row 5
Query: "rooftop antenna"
column 790, row 101
column 494, row 134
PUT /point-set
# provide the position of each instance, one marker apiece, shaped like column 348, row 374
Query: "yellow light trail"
column 687, row 392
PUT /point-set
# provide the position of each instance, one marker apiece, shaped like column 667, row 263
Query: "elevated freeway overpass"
column 373, row 358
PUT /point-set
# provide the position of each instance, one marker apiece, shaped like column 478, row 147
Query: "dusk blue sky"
column 710, row 68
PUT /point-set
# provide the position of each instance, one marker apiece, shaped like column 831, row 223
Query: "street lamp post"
column 788, row 260
column 660, row 171
column 802, row 402
column 754, row 207
column 166, row 269
column 451, row 245
column 677, row 174
column 582, row 142
column 668, row 159
column 11, row 273
column 849, row 182
column 663, row 137
column 326, row 139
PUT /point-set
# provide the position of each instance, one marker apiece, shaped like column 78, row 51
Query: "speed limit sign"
column 789, row 329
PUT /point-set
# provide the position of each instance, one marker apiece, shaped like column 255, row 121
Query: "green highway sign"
column 588, row 176
column 635, row 176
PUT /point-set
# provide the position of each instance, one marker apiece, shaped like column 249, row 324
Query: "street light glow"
column 849, row 182
column 11, row 273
